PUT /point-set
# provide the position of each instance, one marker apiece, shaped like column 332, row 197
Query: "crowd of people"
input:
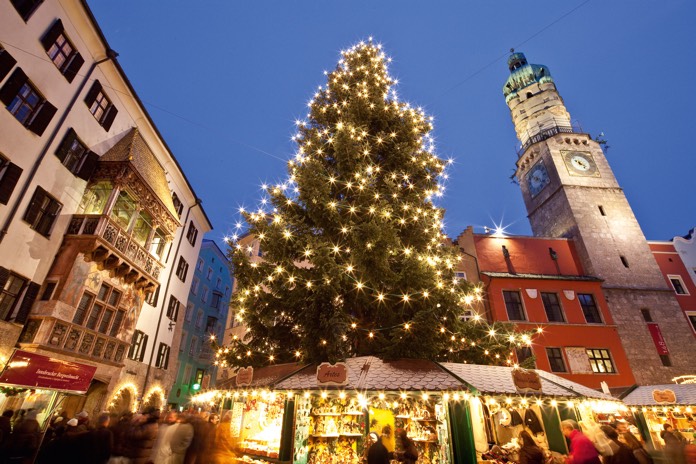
column 144, row 438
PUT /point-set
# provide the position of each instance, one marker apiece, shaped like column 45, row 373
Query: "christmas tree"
column 354, row 258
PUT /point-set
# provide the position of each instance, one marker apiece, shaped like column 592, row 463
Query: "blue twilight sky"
column 225, row 80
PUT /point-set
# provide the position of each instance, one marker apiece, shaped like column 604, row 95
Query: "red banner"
column 33, row 370
column 659, row 341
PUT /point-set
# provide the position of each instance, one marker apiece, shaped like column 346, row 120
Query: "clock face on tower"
column 580, row 163
column 537, row 178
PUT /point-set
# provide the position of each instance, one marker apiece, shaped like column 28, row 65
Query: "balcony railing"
column 124, row 244
column 546, row 133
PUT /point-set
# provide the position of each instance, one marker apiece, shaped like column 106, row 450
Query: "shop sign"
column 244, row 376
column 664, row 396
column 526, row 381
column 658, row 339
column 34, row 370
column 334, row 374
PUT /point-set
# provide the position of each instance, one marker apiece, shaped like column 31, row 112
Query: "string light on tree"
column 354, row 259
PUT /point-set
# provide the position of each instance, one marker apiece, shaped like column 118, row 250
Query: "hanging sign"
column 244, row 376
column 526, row 381
column 664, row 396
column 33, row 370
column 658, row 339
column 334, row 374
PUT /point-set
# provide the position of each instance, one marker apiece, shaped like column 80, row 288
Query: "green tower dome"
column 523, row 74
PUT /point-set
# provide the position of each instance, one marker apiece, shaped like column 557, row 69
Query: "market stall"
column 656, row 405
column 32, row 381
column 509, row 400
column 454, row 413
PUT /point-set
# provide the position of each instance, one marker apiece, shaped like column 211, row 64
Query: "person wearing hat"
column 378, row 453
column 674, row 444
column 409, row 455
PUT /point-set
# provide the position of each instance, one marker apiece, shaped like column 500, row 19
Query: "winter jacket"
column 141, row 439
column 410, row 452
column 623, row 455
column 582, row 451
column 378, row 454
column 531, row 455
column 674, row 446
column 175, row 442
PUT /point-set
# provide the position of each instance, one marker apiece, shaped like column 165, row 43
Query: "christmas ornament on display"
column 353, row 258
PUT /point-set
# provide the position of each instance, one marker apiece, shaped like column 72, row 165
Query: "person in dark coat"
column 5, row 431
column 530, row 453
column 582, row 451
column 409, row 455
column 100, row 441
column 142, row 436
column 624, row 454
column 674, row 445
column 378, row 453
column 632, row 442
column 25, row 439
column 120, row 430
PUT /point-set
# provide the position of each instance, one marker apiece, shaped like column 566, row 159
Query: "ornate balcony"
column 546, row 133
column 111, row 246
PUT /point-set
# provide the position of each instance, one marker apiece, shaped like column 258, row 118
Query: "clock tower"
column 570, row 191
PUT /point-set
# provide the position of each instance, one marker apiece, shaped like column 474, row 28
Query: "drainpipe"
column 164, row 297
column 110, row 55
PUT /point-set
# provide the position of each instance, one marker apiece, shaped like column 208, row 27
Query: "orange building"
column 540, row 283
column 671, row 261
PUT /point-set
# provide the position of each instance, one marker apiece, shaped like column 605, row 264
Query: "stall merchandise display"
column 261, row 427
column 335, row 433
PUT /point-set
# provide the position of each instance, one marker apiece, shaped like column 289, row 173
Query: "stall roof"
column 643, row 396
column 371, row 373
column 265, row 376
column 498, row 380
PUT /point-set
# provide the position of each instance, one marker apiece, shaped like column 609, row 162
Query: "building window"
column 589, row 308
column 42, row 212
column 10, row 296
column 513, row 304
column 162, row 356
column 552, row 306
column 204, row 296
column 152, row 297
column 95, row 197
column 123, row 210
column 100, row 312
column 678, row 284
column 173, row 308
column 26, row 8
column 556, row 360
column 199, row 319
column 49, row 288
column 192, row 234
column 189, row 312
column 194, row 286
column 193, row 346
column 210, row 324
column 600, row 360
column 178, row 205
column 209, row 275
column 646, row 315
column 218, row 283
column 523, row 354
column 100, row 106
column 138, row 345
column 25, row 103
column 75, row 156
column 624, row 261
column 158, row 243
column 182, row 269
column 215, row 302
column 9, row 176
column 691, row 316
column 61, row 51
column 200, row 264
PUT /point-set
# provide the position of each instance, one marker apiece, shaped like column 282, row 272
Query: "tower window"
column 529, row 95
column 624, row 261
column 646, row 315
column 601, row 210
column 678, row 284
